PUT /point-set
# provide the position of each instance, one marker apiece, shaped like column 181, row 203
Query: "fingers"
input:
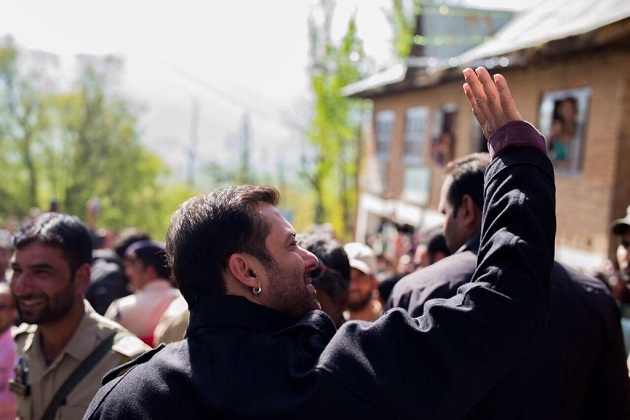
column 505, row 97
column 474, row 93
column 490, row 99
column 493, row 110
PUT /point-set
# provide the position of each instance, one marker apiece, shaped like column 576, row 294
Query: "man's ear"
column 242, row 268
column 470, row 210
column 82, row 278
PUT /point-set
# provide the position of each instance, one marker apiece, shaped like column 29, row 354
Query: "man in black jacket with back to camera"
column 258, row 347
column 577, row 368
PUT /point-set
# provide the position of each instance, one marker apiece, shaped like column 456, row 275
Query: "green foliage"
column 76, row 145
column 331, row 172
column 23, row 121
column 403, row 24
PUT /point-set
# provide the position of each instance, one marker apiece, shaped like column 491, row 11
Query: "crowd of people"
column 237, row 315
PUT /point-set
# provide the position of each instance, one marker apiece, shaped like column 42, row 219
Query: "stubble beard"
column 294, row 300
column 55, row 307
column 358, row 305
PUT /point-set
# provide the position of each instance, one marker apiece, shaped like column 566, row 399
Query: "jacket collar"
column 228, row 311
column 472, row 244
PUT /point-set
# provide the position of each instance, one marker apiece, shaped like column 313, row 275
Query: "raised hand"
column 491, row 100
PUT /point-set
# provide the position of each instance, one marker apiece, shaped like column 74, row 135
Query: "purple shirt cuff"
column 516, row 134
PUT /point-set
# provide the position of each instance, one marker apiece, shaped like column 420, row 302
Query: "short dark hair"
column 331, row 253
column 435, row 242
column 150, row 254
column 64, row 231
column 127, row 237
column 208, row 228
column 467, row 175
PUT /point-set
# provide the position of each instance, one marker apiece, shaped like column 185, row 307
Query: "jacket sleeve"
column 442, row 363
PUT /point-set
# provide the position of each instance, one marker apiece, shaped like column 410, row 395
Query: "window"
column 417, row 184
column 417, row 177
column 384, row 130
column 415, row 132
column 562, row 120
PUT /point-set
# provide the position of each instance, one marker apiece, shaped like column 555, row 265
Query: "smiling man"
column 51, row 271
column 257, row 345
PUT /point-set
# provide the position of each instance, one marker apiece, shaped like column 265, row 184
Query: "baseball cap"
column 361, row 257
column 144, row 247
column 619, row 225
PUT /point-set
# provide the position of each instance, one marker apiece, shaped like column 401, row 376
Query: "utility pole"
column 193, row 144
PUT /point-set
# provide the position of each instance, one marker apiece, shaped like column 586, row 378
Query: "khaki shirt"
column 172, row 326
column 45, row 380
column 141, row 311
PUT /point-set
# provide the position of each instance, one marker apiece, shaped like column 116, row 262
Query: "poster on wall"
column 562, row 120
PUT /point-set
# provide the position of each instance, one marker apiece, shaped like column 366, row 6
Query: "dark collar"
column 472, row 244
column 225, row 311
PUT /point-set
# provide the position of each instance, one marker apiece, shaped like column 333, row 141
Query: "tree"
column 403, row 23
column 23, row 126
column 77, row 144
column 331, row 170
column 99, row 153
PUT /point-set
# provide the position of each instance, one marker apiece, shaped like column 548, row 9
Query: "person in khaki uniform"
column 173, row 324
column 148, row 273
column 60, row 330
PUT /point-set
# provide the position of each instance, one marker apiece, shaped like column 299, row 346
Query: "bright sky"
column 231, row 58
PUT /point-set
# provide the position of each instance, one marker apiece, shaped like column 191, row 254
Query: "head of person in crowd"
column 332, row 277
column 51, row 271
column 146, row 261
column 235, row 241
column 405, row 264
column 620, row 229
column 108, row 280
column 6, row 250
column 363, row 281
column 127, row 237
column 461, row 199
column 431, row 249
column 8, row 310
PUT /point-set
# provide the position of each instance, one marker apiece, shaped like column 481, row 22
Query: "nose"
column 310, row 260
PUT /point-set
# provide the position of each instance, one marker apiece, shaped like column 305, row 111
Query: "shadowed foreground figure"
column 258, row 347
column 577, row 368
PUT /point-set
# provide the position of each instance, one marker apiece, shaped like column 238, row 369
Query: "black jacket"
column 438, row 280
column 577, row 368
column 241, row 360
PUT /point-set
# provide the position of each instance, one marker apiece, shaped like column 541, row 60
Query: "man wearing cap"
column 148, row 274
column 620, row 228
column 362, row 302
column 332, row 279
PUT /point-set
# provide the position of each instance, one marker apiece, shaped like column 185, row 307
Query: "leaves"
column 75, row 145
column 332, row 166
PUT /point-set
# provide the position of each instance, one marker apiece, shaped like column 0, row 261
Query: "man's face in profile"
column 287, row 285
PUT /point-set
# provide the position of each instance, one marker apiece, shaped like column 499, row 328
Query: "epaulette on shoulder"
column 129, row 345
column 24, row 328
column 145, row 357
